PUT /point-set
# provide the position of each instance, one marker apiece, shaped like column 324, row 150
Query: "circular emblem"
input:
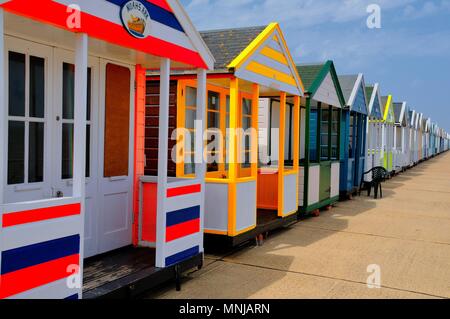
column 136, row 19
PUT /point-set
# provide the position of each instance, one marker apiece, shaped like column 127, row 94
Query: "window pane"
column 189, row 164
column 36, row 153
column 313, row 135
column 213, row 101
column 213, row 120
column 67, row 151
column 191, row 96
column 88, row 150
column 89, row 94
column 246, row 106
column 16, row 152
column 117, row 120
column 68, row 90
column 37, row 87
column 190, row 118
column 16, row 84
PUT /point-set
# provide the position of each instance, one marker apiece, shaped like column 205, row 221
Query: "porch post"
column 281, row 149
column 163, row 151
column 2, row 107
column 79, row 157
column 200, row 165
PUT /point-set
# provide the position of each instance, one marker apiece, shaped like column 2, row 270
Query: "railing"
column 41, row 249
column 176, row 231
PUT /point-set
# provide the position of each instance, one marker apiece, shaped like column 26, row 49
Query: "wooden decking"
column 406, row 234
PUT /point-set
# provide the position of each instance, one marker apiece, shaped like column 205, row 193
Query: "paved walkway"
column 407, row 234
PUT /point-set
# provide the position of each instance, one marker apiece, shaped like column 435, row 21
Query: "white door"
column 63, row 117
column 38, row 146
column 116, row 144
column 27, row 143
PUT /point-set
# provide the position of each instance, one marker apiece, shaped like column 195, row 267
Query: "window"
column 190, row 117
column 246, row 125
column 313, row 125
column 325, row 133
column 26, row 118
column 117, row 120
column 213, row 127
column 352, row 136
column 335, row 122
column 68, row 111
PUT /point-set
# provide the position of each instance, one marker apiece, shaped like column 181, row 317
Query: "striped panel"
column 182, row 216
column 270, row 66
column 182, row 230
column 32, row 255
column 35, row 215
column 184, row 190
column 28, row 278
column 179, row 257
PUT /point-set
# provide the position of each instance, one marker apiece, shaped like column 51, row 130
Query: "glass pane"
column 190, row 118
column 67, row 151
column 228, row 104
column 88, row 150
column 324, row 140
column 16, row 84
column 246, row 106
column 325, row 115
column 37, row 87
column 246, row 123
column 36, row 153
column 191, row 96
column 16, row 152
column 324, row 153
column 189, row 164
column 68, row 91
column 247, row 160
column 213, row 101
column 89, row 95
column 213, row 120
column 324, row 128
column 313, row 135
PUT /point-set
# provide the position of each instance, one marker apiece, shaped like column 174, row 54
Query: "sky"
column 409, row 55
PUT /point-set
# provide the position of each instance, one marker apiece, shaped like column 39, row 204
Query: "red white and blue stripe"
column 40, row 249
column 183, row 223
column 101, row 19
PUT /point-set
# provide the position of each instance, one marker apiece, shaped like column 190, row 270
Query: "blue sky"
column 409, row 56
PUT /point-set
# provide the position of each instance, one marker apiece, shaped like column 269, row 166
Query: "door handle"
column 59, row 194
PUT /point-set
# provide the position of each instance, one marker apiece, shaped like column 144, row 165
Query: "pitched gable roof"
column 374, row 101
column 225, row 45
column 256, row 54
column 353, row 88
column 316, row 75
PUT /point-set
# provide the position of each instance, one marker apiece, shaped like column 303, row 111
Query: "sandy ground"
column 407, row 234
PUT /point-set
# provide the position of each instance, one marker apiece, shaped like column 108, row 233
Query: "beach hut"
column 374, row 127
column 420, row 133
column 251, row 186
column 321, row 110
column 71, row 169
column 353, row 133
column 412, row 134
column 401, row 136
column 388, row 133
column 426, row 138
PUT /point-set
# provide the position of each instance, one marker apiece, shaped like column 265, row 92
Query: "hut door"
column 64, row 85
column 27, row 143
column 116, row 156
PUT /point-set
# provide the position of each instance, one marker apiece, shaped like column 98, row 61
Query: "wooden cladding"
column 117, row 120
column 152, row 127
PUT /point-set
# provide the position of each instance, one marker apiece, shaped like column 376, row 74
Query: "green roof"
column 314, row 74
column 309, row 73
